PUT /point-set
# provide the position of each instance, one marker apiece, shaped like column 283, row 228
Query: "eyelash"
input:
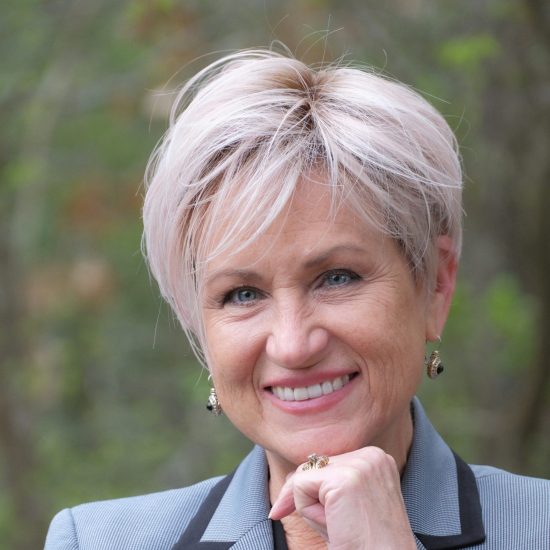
column 227, row 297
column 351, row 274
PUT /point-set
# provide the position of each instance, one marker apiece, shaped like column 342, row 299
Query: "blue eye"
column 241, row 296
column 339, row 278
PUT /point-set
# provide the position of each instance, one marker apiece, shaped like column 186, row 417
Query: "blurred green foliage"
column 468, row 53
column 100, row 396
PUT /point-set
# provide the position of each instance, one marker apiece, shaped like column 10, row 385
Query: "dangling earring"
column 434, row 366
column 213, row 405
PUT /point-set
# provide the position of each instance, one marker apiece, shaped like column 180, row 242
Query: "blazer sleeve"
column 62, row 532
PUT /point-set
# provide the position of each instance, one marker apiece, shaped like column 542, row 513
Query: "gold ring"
column 315, row 461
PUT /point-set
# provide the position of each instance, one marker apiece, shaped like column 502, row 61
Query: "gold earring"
column 213, row 405
column 434, row 366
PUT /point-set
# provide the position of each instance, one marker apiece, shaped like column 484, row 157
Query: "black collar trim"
column 471, row 522
column 191, row 537
column 279, row 537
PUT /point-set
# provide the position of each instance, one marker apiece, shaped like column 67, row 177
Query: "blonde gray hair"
column 247, row 128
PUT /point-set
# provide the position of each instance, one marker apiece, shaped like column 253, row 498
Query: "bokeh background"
column 100, row 396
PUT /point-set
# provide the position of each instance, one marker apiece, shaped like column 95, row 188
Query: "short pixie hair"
column 244, row 132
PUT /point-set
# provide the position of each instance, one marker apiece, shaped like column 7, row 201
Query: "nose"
column 296, row 339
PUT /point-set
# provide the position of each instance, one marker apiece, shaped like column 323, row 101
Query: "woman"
column 305, row 226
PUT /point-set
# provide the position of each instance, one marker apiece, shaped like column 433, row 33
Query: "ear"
column 440, row 297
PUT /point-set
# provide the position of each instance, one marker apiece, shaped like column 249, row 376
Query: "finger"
column 315, row 517
column 315, row 514
column 284, row 504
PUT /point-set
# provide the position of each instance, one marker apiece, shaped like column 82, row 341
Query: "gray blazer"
column 450, row 505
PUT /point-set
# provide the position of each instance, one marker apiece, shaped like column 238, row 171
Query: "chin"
column 296, row 452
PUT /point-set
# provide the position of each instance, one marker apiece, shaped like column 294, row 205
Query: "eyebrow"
column 332, row 251
column 249, row 275
column 239, row 273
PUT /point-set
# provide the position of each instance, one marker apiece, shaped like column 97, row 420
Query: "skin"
column 306, row 302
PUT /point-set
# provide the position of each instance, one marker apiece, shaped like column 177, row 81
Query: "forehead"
column 311, row 223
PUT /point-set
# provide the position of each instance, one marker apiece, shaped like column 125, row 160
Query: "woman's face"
column 315, row 334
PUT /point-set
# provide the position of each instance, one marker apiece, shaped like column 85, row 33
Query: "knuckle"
column 373, row 460
column 373, row 455
column 377, row 454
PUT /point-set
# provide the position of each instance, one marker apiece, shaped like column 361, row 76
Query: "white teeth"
column 301, row 394
column 310, row 392
column 314, row 391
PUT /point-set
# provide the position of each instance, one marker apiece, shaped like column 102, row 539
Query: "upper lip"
column 307, row 379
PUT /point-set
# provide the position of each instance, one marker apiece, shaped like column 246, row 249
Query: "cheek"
column 388, row 333
column 406, row 351
column 385, row 319
column 232, row 351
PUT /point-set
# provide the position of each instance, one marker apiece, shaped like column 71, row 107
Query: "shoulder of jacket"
column 511, row 503
column 170, row 498
column 489, row 475
column 154, row 520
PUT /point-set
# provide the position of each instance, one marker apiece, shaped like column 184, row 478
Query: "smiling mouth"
column 311, row 392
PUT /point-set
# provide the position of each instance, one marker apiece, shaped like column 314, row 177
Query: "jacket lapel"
column 440, row 491
column 234, row 514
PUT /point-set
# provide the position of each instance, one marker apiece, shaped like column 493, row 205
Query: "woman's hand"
column 354, row 502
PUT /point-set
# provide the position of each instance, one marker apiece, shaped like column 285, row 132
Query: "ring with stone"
column 315, row 461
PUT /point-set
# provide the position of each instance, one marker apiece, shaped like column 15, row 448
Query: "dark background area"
column 100, row 396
